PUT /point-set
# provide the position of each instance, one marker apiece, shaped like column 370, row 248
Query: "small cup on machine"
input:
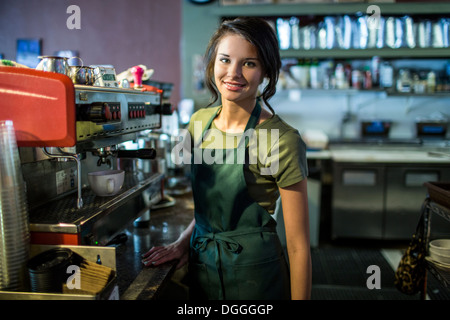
column 106, row 183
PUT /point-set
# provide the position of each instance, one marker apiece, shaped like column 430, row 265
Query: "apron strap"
column 224, row 238
column 251, row 124
column 254, row 117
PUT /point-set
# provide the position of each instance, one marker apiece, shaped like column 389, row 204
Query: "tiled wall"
column 117, row 32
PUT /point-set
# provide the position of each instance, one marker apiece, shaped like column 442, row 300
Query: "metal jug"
column 82, row 75
column 54, row 64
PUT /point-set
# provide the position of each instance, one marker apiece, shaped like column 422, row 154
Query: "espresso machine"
column 64, row 131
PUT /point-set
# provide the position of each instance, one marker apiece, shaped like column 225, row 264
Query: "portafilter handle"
column 146, row 154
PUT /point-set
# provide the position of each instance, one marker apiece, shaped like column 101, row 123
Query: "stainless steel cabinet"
column 404, row 197
column 380, row 201
column 357, row 201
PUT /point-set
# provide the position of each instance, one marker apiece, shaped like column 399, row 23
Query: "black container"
column 376, row 128
column 48, row 270
column 431, row 129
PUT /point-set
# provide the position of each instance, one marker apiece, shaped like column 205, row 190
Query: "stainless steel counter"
column 387, row 155
column 137, row 282
column 431, row 153
column 133, row 280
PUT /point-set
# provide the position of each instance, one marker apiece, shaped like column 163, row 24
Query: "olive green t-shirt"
column 277, row 154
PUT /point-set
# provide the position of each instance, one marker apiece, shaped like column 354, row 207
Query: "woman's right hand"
column 177, row 250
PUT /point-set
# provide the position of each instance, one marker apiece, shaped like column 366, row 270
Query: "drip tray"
column 100, row 217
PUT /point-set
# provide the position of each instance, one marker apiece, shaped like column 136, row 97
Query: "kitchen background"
column 337, row 112
column 170, row 37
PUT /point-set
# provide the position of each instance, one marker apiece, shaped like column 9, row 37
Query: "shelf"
column 320, row 92
column 351, row 91
column 279, row 10
column 439, row 270
column 443, row 94
column 323, row 9
column 367, row 53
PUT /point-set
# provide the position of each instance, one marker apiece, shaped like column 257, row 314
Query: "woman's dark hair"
column 259, row 33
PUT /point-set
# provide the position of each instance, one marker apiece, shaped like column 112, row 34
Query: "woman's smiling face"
column 237, row 70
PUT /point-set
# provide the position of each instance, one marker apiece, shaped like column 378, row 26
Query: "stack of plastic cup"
column 14, row 225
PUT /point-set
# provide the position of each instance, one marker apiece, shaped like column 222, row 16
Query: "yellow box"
column 349, row 1
column 90, row 253
column 303, row 1
column 261, row 1
column 233, row 2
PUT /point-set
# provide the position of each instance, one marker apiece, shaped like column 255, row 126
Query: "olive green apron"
column 235, row 250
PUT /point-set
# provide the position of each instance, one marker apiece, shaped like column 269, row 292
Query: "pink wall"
column 123, row 33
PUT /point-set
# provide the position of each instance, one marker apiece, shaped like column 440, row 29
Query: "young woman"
column 232, row 246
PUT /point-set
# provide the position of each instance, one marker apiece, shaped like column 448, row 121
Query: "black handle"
column 146, row 154
column 164, row 109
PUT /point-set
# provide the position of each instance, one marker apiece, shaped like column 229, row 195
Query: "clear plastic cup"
column 14, row 226
column 9, row 155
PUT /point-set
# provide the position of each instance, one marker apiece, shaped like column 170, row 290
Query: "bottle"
column 348, row 74
column 306, row 68
column 340, row 76
column 431, row 82
column 375, row 70
column 367, row 79
column 314, row 74
column 284, row 33
column 386, row 75
column 295, row 33
column 356, row 79
column 416, row 84
column 304, row 73
column 403, row 81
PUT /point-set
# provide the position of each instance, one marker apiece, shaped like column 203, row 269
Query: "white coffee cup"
column 106, row 183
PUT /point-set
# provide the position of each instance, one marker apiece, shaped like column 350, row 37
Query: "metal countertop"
column 137, row 282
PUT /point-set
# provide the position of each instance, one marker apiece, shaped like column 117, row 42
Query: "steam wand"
column 76, row 157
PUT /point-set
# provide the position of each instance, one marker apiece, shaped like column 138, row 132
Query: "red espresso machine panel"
column 41, row 106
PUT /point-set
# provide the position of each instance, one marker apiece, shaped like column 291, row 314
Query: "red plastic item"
column 146, row 87
column 40, row 104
